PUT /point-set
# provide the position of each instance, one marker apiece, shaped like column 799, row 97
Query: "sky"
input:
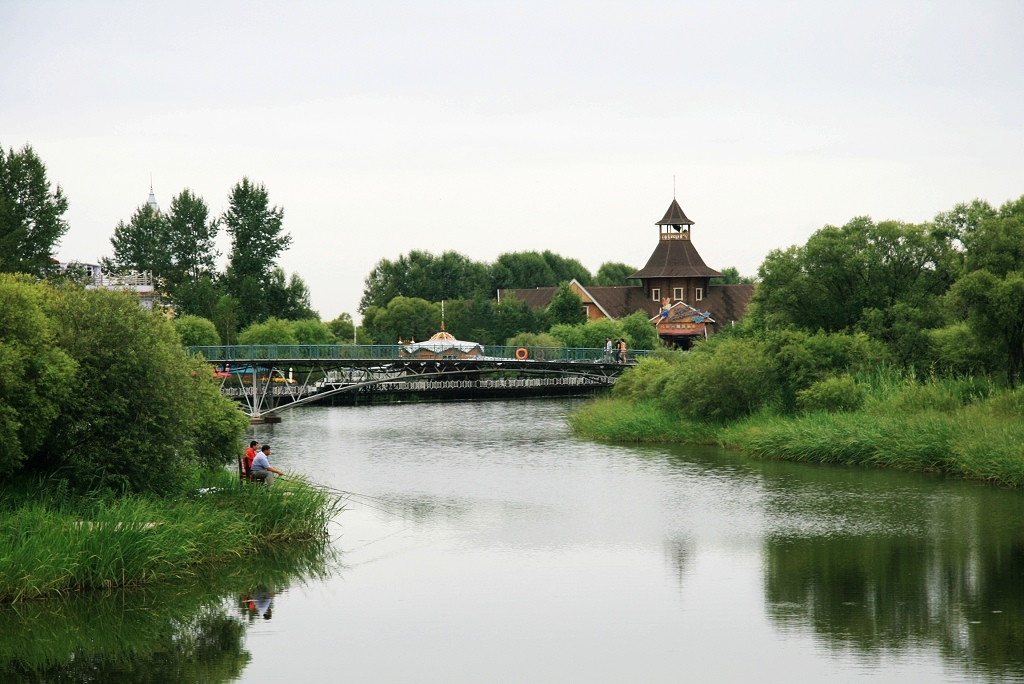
column 482, row 127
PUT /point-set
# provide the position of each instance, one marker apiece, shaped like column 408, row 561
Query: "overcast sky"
column 483, row 127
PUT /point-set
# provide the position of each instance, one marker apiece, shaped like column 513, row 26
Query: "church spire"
column 152, row 197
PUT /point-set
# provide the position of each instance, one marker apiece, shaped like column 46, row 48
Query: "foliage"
column 720, row 382
column 53, row 542
column 731, row 276
column 190, row 240
column 512, row 316
column 642, row 421
column 532, row 340
column 566, row 307
column 35, row 376
column 141, row 244
column 312, row 331
column 256, row 242
column 645, row 381
column 423, row 275
column 195, row 331
column 137, row 407
column 271, row 331
column 841, row 393
column 342, row 328
column 31, row 214
column 405, row 318
column 639, row 332
column 612, row 273
column 289, row 300
column 520, row 270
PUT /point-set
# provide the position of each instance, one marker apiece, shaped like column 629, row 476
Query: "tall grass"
column 967, row 427
column 60, row 543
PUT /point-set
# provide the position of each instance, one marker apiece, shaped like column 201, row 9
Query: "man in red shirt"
column 250, row 454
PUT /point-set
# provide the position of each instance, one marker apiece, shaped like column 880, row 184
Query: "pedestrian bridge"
column 268, row 378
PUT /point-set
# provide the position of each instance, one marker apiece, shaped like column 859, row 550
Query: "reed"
column 60, row 543
column 619, row 420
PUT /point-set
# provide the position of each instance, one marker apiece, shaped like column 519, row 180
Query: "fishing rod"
column 348, row 495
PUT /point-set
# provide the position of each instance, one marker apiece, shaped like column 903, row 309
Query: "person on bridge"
column 261, row 468
column 622, row 350
column 250, row 454
column 607, row 350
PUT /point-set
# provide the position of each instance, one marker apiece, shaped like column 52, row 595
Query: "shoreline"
column 978, row 441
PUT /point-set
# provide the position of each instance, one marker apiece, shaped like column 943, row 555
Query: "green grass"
column 961, row 427
column 54, row 543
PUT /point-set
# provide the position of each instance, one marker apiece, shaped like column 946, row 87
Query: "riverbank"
column 53, row 542
column 919, row 427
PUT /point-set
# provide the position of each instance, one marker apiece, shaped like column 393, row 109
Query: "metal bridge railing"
column 395, row 352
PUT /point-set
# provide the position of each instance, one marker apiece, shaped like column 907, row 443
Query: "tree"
column 190, row 240
column 342, row 328
column 312, row 331
column 992, row 289
column 141, row 244
column 512, row 316
column 195, row 331
column 35, row 376
column 406, row 318
column 566, row 306
column 138, row 407
column 425, row 276
column 256, row 242
column 566, row 269
column 520, row 270
column 31, row 214
column 641, row 332
column 731, row 276
column 291, row 300
column 613, row 273
column 271, row 331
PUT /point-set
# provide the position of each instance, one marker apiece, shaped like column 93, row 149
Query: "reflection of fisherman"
column 263, row 601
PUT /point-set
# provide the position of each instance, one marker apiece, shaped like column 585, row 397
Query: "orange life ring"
column 521, row 353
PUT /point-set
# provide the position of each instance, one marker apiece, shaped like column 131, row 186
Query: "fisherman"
column 261, row 468
column 250, row 454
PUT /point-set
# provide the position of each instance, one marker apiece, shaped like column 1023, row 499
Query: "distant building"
column 442, row 345
column 675, row 291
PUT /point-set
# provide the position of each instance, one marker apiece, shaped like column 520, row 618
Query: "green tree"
column 342, row 328
column 227, row 318
column 512, row 316
column 31, row 214
column 312, row 331
column 35, row 376
column 992, row 288
column 271, row 331
column 287, row 299
column 423, row 275
column 613, row 273
column 639, row 331
column 195, row 331
column 138, row 408
column 256, row 242
column 566, row 269
column 403, row 317
column 731, row 276
column 190, row 240
column 141, row 244
column 566, row 307
column 519, row 270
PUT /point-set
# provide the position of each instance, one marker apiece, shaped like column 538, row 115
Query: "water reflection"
column 186, row 633
column 896, row 563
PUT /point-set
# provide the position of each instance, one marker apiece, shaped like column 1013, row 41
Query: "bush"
column 312, row 331
column 196, row 331
column 640, row 333
column 645, row 381
column 841, row 393
column 271, row 331
column 533, row 340
column 720, row 381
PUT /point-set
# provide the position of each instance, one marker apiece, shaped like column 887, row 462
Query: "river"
column 486, row 544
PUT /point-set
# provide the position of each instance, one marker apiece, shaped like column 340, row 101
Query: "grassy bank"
column 945, row 426
column 53, row 542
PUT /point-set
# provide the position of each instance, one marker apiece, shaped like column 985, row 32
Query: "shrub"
column 720, row 381
column 841, row 393
column 196, row 331
column 639, row 331
column 533, row 340
column 644, row 381
column 271, row 331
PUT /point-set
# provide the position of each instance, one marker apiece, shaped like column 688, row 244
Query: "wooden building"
column 674, row 274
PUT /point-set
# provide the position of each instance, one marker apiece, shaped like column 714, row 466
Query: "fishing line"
column 347, row 495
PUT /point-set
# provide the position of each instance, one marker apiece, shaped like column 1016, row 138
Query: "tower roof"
column 152, row 199
column 675, row 259
column 674, row 216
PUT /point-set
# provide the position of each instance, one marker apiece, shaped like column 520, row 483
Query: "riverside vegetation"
column 884, row 344
column 109, row 431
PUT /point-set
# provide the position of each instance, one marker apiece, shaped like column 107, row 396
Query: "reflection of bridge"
column 264, row 376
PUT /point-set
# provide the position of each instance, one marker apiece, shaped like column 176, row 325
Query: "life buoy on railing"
column 539, row 354
column 521, row 353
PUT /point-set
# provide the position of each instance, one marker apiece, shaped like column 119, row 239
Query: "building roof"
column 674, row 216
column 675, row 259
column 725, row 302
